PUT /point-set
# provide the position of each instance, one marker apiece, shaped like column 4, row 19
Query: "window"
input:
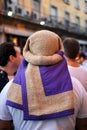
column 9, row 6
column 18, row 10
column 67, row 1
column 35, row 9
column 85, row 6
column 53, row 14
column 77, row 4
column 86, row 26
column 36, row 5
column 67, row 20
column 77, row 21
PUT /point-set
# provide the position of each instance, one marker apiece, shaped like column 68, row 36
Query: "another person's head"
column 71, row 48
column 82, row 57
column 10, row 57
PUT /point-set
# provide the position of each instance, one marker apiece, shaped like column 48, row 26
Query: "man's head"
column 71, row 48
column 42, row 47
column 10, row 56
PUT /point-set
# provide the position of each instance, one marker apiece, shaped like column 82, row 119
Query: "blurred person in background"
column 72, row 52
column 83, row 60
column 10, row 58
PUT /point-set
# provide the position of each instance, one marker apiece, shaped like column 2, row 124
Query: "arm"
column 5, row 117
column 81, row 124
column 80, row 95
column 6, row 125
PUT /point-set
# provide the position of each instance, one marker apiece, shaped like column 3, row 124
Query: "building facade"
column 20, row 18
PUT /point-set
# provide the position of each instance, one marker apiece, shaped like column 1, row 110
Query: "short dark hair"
column 71, row 47
column 82, row 54
column 6, row 49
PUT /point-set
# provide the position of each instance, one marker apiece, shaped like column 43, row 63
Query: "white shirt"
column 84, row 64
column 80, row 73
column 66, row 123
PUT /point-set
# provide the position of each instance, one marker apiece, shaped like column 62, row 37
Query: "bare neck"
column 72, row 62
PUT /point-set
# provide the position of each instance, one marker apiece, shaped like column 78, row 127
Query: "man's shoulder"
column 79, row 90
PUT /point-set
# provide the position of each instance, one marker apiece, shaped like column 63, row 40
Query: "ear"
column 61, row 44
column 77, row 58
column 11, row 58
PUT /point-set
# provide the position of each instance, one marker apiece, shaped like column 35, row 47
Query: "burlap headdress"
column 42, row 85
column 41, row 48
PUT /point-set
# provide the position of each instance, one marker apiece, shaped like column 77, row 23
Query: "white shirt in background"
column 80, row 73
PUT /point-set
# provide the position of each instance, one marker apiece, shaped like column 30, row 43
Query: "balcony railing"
column 51, row 21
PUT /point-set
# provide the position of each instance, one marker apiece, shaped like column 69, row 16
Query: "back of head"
column 44, row 43
column 41, row 46
column 6, row 49
column 71, row 47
